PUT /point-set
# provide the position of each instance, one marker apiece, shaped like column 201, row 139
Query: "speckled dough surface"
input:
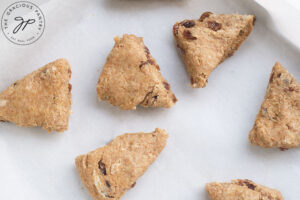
column 108, row 172
column 278, row 121
column 131, row 77
column 206, row 42
column 241, row 190
column 42, row 98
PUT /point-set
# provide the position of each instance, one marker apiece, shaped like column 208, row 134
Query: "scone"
column 110, row 171
column 42, row 98
column 241, row 190
column 131, row 77
column 206, row 42
column 278, row 122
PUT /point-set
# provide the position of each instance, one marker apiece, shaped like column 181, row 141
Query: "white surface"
column 208, row 127
column 285, row 16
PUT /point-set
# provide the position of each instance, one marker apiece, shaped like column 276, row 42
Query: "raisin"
column 149, row 61
column 147, row 51
column 248, row 184
column 102, row 168
column 70, row 87
column 188, row 23
column 133, row 185
column 174, row 99
column 86, row 162
column 107, row 183
column 175, row 29
column 278, row 75
column 192, row 80
column 230, row 54
column 283, row 149
column 241, row 33
column 166, row 85
column 291, row 89
column 204, row 15
column 271, row 78
column 213, row 25
column 188, row 35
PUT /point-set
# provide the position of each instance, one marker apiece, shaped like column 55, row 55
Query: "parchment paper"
column 208, row 127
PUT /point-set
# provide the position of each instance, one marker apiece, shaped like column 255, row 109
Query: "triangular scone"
column 42, row 98
column 241, row 190
column 278, row 122
column 206, row 42
column 131, row 77
column 110, row 171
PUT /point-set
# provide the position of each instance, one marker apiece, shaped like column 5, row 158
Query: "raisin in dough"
column 42, row 98
column 278, row 122
column 241, row 190
column 206, row 42
column 110, row 171
column 131, row 77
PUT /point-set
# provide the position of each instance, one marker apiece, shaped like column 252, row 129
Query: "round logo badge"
column 23, row 23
